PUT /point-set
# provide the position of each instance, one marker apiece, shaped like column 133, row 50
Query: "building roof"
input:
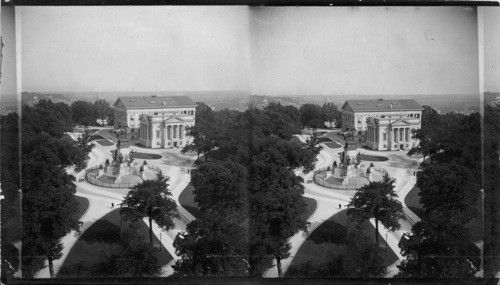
column 154, row 102
column 381, row 105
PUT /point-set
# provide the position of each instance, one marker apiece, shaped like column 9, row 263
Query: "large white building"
column 156, row 121
column 383, row 124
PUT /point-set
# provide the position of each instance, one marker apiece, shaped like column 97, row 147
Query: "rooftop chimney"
column 391, row 105
column 164, row 102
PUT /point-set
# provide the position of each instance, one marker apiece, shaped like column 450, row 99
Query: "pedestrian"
column 112, row 205
column 340, row 206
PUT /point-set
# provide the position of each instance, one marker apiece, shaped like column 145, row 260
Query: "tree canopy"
column 438, row 250
column 150, row 198
column 377, row 200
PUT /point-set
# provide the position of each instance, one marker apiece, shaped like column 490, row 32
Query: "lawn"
column 96, row 137
column 311, row 205
column 142, row 155
column 331, row 236
column 104, row 142
column 332, row 144
column 324, row 139
column 475, row 226
column 104, row 236
column 83, row 205
column 186, row 199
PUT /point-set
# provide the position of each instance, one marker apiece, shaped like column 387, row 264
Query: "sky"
column 263, row 50
column 491, row 48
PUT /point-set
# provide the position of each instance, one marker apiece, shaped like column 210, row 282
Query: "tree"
column 313, row 144
column 449, row 191
column 102, row 111
column 48, row 212
column 311, row 115
column 221, row 187
column 438, row 250
column 428, row 145
column 213, row 245
column 282, row 121
column 46, row 117
column 377, row 200
column 83, row 113
column 276, row 212
column 151, row 199
column 203, row 132
column 331, row 113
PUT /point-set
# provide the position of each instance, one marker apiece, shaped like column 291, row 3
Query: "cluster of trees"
column 47, row 201
column 440, row 245
column 315, row 116
column 99, row 113
column 249, row 196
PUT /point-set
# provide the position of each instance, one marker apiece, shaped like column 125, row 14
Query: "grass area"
column 186, row 199
column 104, row 236
column 142, row 155
column 311, row 205
column 475, row 226
column 96, row 137
column 332, row 144
column 83, row 205
column 331, row 237
column 324, row 139
column 104, row 142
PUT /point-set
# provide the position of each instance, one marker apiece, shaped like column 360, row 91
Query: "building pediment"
column 400, row 123
column 174, row 120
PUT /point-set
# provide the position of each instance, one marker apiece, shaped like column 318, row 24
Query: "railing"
column 323, row 183
column 97, row 182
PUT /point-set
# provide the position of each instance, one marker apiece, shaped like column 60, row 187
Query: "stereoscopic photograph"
column 250, row 144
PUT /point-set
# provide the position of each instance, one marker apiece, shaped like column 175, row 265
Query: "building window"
column 156, row 113
column 157, row 134
column 168, row 143
column 180, row 142
column 385, row 146
column 158, row 143
column 132, row 137
column 385, row 137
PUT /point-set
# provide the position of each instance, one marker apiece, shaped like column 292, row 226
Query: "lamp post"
column 160, row 241
column 385, row 242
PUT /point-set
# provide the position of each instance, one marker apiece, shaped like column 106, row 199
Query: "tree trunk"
column 51, row 267
column 278, row 265
column 150, row 230
column 376, row 231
